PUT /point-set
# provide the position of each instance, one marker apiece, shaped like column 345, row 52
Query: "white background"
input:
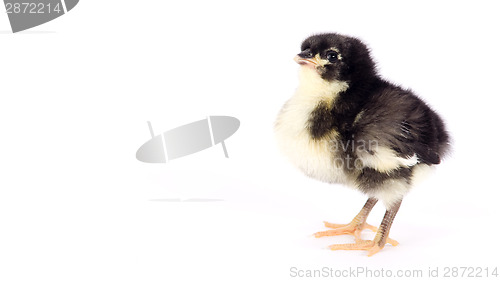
column 76, row 93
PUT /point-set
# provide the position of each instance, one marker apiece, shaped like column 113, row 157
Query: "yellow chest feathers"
column 315, row 158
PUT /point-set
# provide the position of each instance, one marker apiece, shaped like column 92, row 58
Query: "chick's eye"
column 332, row 56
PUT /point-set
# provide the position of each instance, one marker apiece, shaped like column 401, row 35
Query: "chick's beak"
column 306, row 61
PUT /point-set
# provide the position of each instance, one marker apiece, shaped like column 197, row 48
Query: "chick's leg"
column 381, row 238
column 355, row 226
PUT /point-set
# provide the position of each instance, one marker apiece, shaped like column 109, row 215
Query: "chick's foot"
column 368, row 245
column 351, row 228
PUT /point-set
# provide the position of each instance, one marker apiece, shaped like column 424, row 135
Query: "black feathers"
column 322, row 121
column 354, row 62
column 398, row 119
column 372, row 110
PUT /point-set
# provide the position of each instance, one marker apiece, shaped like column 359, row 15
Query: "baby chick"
column 345, row 124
